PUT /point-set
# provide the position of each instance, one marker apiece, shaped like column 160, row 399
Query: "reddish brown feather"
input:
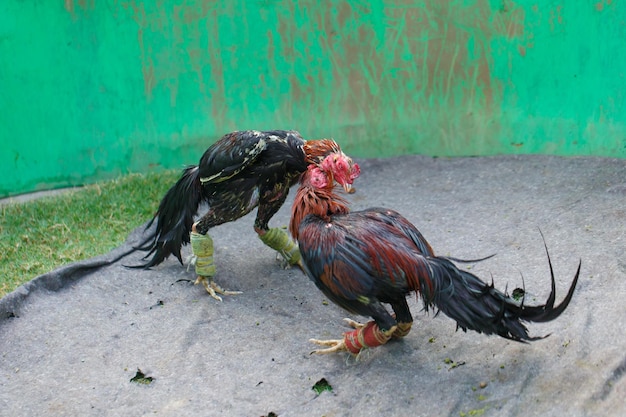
column 316, row 150
column 320, row 202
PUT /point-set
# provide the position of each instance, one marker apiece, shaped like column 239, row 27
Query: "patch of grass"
column 41, row 235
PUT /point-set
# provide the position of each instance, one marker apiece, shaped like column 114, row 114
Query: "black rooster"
column 241, row 171
column 363, row 259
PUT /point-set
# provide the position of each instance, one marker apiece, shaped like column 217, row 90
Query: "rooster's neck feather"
column 320, row 202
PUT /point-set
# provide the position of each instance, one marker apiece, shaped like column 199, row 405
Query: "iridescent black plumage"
column 241, row 171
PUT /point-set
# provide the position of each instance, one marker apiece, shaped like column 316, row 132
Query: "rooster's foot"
column 213, row 289
column 335, row 346
column 286, row 264
column 353, row 324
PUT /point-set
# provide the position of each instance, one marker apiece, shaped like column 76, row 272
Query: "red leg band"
column 369, row 335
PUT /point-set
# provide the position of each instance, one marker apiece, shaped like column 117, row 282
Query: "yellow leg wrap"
column 279, row 240
column 402, row 330
column 202, row 247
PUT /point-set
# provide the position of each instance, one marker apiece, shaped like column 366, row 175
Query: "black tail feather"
column 468, row 261
column 478, row 306
column 548, row 312
column 174, row 220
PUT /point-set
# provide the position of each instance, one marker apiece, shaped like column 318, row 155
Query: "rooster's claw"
column 213, row 289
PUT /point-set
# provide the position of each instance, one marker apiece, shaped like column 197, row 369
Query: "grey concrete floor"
column 72, row 339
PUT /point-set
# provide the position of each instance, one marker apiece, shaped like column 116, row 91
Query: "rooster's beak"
column 348, row 188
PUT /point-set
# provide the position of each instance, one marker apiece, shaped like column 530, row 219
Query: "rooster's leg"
column 372, row 334
column 403, row 329
column 403, row 318
column 278, row 239
column 364, row 335
column 202, row 247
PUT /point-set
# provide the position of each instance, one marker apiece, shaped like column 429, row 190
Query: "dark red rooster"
column 239, row 172
column 363, row 259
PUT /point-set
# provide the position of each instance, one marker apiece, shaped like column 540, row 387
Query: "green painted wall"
column 90, row 89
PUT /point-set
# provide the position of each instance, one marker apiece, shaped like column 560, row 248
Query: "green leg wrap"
column 202, row 247
column 279, row 240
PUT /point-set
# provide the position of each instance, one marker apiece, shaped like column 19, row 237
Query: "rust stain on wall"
column 428, row 54
column 146, row 26
column 377, row 60
column 600, row 6
column 147, row 64
column 452, row 46
column 70, row 5
column 218, row 92
column 168, row 36
column 556, row 18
